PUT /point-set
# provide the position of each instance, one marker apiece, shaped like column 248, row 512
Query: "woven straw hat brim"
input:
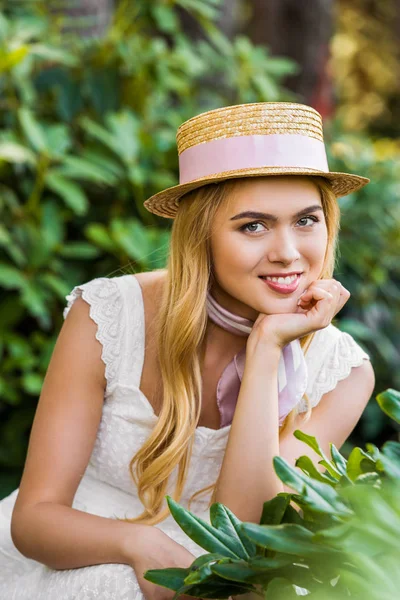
column 165, row 203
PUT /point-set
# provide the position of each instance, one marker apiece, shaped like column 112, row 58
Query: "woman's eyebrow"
column 251, row 214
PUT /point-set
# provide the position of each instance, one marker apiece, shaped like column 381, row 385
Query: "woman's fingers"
column 333, row 287
column 331, row 291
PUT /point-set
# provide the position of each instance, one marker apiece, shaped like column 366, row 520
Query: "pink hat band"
column 251, row 152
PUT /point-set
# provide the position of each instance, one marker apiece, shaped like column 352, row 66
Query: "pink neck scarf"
column 292, row 369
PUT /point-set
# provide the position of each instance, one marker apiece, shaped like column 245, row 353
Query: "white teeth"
column 284, row 280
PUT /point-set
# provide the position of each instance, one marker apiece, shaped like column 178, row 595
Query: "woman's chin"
column 279, row 306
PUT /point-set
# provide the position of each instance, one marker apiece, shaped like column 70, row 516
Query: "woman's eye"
column 248, row 227
column 245, row 227
column 315, row 219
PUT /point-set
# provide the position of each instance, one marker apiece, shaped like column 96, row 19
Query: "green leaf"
column 311, row 441
column 332, row 470
column 132, row 237
column 99, row 235
column 200, row 569
column 390, row 460
column 376, row 511
column 35, row 300
column 280, row 589
column 5, row 237
column 370, row 478
column 279, row 66
column 274, row 510
column 199, row 575
column 58, row 140
column 257, row 570
column 79, row 251
column 204, row 559
column 72, row 194
column 239, row 571
column 125, row 128
column 203, row 534
column 16, row 153
column 171, row 578
column 54, row 54
column 319, row 496
column 287, row 538
column 373, row 451
column 358, row 463
column 223, row 519
column 100, row 133
column 32, row 129
column 55, row 284
column 307, row 466
column 101, row 158
column 32, row 383
column 52, row 224
column 389, row 401
column 214, row 589
column 292, row 516
column 391, row 449
column 338, row 459
column 10, row 277
column 79, row 168
column 166, row 19
column 11, row 58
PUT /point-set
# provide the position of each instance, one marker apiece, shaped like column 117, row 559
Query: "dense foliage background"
column 87, row 133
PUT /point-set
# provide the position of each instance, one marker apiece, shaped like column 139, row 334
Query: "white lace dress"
column 106, row 489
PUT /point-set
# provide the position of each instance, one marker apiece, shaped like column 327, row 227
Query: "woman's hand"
column 322, row 300
column 156, row 550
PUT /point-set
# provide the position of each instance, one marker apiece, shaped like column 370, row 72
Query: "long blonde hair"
column 180, row 330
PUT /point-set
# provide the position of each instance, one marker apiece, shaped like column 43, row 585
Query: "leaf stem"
column 33, row 200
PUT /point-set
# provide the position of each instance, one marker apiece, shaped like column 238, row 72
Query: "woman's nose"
column 283, row 248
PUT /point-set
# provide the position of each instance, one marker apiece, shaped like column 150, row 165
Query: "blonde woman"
column 189, row 380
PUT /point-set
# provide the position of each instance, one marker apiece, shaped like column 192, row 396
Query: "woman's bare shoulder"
column 151, row 283
column 148, row 278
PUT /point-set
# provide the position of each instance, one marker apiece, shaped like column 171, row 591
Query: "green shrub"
column 87, row 134
column 344, row 542
column 368, row 264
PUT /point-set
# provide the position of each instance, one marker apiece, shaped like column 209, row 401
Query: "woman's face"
column 288, row 235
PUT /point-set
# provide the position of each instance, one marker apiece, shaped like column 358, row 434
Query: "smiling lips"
column 283, row 288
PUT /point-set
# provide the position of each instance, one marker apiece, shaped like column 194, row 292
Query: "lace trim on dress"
column 345, row 355
column 106, row 303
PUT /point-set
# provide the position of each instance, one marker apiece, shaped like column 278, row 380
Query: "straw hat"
column 250, row 140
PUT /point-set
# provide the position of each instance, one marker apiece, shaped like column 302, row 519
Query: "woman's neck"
column 231, row 304
column 226, row 332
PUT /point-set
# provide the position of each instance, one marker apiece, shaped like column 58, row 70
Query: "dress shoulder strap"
column 116, row 306
column 331, row 356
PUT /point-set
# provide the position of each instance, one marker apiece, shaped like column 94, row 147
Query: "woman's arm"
column 65, row 538
column 334, row 418
column 247, row 478
column 44, row 527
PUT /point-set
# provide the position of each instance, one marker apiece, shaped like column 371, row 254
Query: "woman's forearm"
column 247, row 478
column 65, row 538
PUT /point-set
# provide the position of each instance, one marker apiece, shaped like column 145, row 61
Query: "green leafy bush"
column 87, row 134
column 368, row 264
column 343, row 543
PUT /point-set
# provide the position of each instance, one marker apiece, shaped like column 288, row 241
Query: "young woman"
column 189, row 380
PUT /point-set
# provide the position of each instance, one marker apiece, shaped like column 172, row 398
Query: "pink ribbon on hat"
column 251, row 152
